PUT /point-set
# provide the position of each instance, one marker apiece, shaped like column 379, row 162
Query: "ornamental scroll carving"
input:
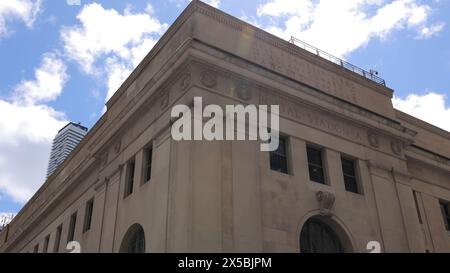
column 209, row 78
column 373, row 140
column 185, row 81
column 117, row 146
column 326, row 202
column 396, row 147
column 104, row 159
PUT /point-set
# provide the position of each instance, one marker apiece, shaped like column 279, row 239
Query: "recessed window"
column 57, row 239
column 88, row 215
column 134, row 240
column 278, row 158
column 129, row 178
column 350, row 177
column 46, row 241
column 72, row 225
column 445, row 209
column 148, row 164
column 315, row 164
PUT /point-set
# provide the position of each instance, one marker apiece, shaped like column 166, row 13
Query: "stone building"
column 351, row 170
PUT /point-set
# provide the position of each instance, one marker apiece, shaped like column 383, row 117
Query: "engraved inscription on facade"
column 303, row 71
column 306, row 116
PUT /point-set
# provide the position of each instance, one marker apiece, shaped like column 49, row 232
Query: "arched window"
column 318, row 237
column 134, row 240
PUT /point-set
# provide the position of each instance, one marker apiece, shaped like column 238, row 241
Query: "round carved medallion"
column 209, row 78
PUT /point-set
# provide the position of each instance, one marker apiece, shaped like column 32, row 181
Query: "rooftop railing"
column 372, row 75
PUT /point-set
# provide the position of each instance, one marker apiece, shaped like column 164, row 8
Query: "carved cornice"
column 343, row 105
column 268, row 38
column 323, row 118
column 428, row 157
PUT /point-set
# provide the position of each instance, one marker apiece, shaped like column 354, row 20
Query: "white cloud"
column 25, row 143
column 49, row 80
column 117, row 73
column 105, row 31
column 31, row 123
column 341, row 27
column 214, row 3
column 430, row 31
column 73, row 2
column 430, row 107
column 111, row 43
column 22, row 10
column 27, row 129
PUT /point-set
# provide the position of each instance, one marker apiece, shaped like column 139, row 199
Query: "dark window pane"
column 88, row 215
column 57, row 239
column 446, row 214
column 278, row 158
column 138, row 243
column 278, row 163
column 348, row 167
column 46, row 241
column 350, row 180
column 130, row 178
column 316, row 174
column 314, row 156
column 148, row 165
column 281, row 147
column 350, row 184
column 317, row 237
column 72, row 225
column 315, row 165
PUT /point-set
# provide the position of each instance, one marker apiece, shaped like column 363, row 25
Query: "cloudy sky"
column 62, row 60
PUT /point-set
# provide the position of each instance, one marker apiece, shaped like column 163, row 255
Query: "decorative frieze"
column 117, row 146
column 311, row 118
column 373, row 139
column 396, row 147
column 209, row 78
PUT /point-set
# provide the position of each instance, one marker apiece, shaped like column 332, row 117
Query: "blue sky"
column 61, row 62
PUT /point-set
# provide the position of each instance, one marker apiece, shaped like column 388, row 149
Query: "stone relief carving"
column 185, row 81
column 373, row 140
column 164, row 100
column 117, row 147
column 396, row 147
column 103, row 159
column 209, row 78
column 326, row 202
column 314, row 119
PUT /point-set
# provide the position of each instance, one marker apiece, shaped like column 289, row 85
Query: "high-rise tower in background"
column 64, row 143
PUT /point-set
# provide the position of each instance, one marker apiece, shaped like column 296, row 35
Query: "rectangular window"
column 350, row 177
column 148, row 164
column 72, row 225
column 88, row 215
column 46, row 241
column 129, row 178
column 445, row 209
column 315, row 165
column 57, row 239
column 278, row 158
column 416, row 202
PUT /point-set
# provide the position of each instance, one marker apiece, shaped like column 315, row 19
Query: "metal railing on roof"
column 372, row 75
